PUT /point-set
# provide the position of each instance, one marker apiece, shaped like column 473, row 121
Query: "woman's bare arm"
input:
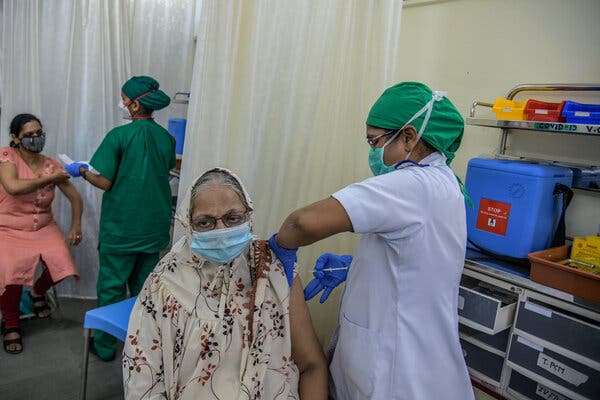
column 312, row 223
column 16, row 186
column 306, row 350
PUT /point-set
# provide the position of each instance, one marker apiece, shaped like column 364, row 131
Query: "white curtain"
column 162, row 45
column 65, row 61
column 280, row 94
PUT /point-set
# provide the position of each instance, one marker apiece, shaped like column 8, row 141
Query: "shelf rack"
column 557, row 127
column 539, row 126
column 181, row 98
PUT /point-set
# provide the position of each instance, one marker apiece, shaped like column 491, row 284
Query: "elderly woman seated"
column 217, row 318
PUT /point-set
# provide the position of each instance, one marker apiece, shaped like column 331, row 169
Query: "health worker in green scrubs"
column 134, row 162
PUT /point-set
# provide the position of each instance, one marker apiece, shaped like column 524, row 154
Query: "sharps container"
column 177, row 130
column 516, row 205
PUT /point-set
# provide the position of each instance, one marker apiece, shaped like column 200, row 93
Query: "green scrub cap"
column 145, row 90
column 399, row 103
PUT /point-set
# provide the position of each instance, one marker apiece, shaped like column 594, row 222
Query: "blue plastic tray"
column 580, row 113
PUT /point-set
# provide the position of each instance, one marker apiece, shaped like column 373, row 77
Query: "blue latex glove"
column 73, row 168
column 330, row 271
column 286, row 256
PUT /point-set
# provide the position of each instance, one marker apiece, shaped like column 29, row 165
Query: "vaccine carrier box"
column 515, row 211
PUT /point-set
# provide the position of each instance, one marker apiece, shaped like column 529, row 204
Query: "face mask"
column 35, row 144
column 222, row 245
column 376, row 163
column 124, row 111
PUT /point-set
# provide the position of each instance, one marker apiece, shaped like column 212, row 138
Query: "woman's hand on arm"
column 314, row 222
column 306, row 350
column 16, row 186
column 72, row 194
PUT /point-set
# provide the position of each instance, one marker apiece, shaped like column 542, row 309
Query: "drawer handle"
column 538, row 310
column 527, row 343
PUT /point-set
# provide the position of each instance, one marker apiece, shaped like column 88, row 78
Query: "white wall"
column 480, row 49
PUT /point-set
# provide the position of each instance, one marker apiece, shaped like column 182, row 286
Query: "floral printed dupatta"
column 205, row 331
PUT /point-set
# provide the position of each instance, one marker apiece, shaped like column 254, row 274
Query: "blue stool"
column 112, row 319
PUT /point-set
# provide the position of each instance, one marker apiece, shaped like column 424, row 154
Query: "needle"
column 329, row 269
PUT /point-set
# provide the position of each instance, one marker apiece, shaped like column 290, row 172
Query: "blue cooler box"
column 514, row 209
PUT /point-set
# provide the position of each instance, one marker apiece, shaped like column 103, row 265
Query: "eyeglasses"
column 34, row 134
column 374, row 141
column 208, row 223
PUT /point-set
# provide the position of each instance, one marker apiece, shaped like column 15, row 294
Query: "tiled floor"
column 479, row 395
column 49, row 368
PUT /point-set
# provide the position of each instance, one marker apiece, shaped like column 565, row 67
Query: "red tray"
column 536, row 110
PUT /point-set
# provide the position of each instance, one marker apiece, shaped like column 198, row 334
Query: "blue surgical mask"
column 222, row 245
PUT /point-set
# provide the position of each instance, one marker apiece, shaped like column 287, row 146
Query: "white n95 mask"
column 124, row 111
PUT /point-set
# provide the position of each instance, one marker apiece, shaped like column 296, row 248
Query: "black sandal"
column 39, row 309
column 8, row 342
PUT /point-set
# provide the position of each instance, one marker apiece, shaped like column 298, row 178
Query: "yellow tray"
column 508, row 109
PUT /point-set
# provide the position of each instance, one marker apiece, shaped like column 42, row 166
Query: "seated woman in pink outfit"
column 27, row 228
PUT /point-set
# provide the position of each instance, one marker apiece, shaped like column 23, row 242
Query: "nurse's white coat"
column 398, row 322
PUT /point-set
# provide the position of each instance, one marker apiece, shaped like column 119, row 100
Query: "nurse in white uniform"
column 397, row 332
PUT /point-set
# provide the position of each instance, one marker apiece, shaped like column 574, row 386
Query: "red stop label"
column 493, row 216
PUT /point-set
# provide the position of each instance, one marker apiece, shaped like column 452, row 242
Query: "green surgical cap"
column 153, row 100
column 399, row 103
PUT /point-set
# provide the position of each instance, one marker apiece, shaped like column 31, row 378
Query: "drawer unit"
column 560, row 329
column 557, row 371
column 499, row 341
column 482, row 361
column 522, row 387
column 485, row 308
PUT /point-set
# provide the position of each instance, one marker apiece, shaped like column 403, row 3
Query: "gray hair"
column 217, row 177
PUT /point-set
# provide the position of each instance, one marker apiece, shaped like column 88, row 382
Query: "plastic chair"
column 112, row 319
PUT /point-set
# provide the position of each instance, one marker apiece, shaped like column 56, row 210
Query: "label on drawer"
column 461, row 302
column 538, row 310
column 561, row 370
column 548, row 394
